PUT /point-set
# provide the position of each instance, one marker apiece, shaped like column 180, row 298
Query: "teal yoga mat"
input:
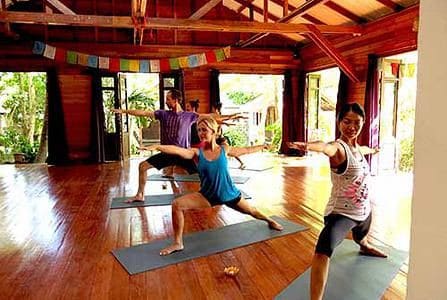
column 146, row 257
column 351, row 276
column 151, row 200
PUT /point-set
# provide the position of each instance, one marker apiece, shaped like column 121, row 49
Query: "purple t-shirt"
column 175, row 127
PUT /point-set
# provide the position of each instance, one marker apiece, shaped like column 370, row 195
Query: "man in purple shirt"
column 175, row 125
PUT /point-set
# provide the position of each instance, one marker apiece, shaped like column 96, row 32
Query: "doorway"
column 397, row 105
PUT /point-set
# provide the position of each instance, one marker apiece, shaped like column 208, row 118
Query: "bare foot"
column 369, row 250
column 275, row 225
column 137, row 198
column 171, row 249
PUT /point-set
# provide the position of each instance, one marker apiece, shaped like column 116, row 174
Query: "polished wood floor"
column 57, row 231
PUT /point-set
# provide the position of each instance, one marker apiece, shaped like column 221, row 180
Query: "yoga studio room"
column 223, row 149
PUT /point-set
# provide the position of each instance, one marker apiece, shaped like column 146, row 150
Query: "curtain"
column 214, row 88
column 370, row 135
column 97, row 143
column 342, row 98
column 57, row 139
column 293, row 127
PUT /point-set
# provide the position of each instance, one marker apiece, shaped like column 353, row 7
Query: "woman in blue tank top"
column 216, row 185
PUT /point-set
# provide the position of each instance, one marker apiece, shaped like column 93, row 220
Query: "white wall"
column 428, row 262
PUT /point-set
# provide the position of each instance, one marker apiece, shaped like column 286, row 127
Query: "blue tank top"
column 216, row 184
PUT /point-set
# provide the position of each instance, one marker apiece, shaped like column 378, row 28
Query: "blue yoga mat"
column 151, row 200
column 147, row 257
column 192, row 178
column 351, row 276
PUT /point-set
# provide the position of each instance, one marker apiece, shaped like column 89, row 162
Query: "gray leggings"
column 336, row 227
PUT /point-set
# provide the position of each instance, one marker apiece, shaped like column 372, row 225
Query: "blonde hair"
column 209, row 122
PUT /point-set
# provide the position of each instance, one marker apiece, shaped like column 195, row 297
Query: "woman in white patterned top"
column 349, row 206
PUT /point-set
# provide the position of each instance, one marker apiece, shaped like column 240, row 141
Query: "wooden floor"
column 57, row 231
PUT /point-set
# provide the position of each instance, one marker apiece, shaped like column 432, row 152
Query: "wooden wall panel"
column 76, row 91
column 197, row 84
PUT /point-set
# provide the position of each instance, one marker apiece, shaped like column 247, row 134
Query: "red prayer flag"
column 114, row 64
column 61, row 55
column 210, row 56
column 164, row 65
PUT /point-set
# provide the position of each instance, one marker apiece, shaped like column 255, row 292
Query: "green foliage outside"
column 140, row 100
column 24, row 98
column 143, row 100
column 406, row 159
column 275, row 130
column 237, row 135
column 240, row 98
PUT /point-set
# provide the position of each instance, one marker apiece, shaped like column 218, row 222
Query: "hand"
column 117, row 111
column 148, row 148
column 297, row 145
column 376, row 150
column 268, row 147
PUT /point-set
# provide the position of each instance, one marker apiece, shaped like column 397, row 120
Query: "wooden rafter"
column 295, row 13
column 391, row 4
column 317, row 37
column 60, row 7
column 170, row 24
column 345, row 12
column 198, row 14
column 257, row 9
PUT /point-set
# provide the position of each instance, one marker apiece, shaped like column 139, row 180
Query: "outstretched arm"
column 365, row 150
column 135, row 112
column 329, row 149
column 238, row 151
column 171, row 149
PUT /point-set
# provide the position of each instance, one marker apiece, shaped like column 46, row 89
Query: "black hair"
column 176, row 94
column 194, row 104
column 354, row 107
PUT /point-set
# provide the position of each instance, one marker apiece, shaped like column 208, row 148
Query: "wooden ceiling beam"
column 256, row 9
column 295, row 13
column 391, row 4
column 198, row 14
column 317, row 37
column 169, row 23
column 345, row 12
column 60, row 7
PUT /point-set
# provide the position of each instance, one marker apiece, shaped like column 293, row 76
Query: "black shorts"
column 163, row 160
column 232, row 203
column 336, row 227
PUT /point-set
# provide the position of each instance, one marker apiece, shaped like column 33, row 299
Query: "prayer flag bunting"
column 144, row 66
column 38, row 47
column 155, row 65
column 174, row 63
column 49, row 52
column 133, row 65
column 83, row 59
column 220, row 55
column 193, row 61
column 72, row 57
column 61, row 55
column 92, row 61
column 164, row 65
column 103, row 62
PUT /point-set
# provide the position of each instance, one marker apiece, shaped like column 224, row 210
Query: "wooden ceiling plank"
column 198, row 14
column 299, row 11
column 312, row 19
column 317, row 37
column 170, row 23
column 61, row 7
column 391, row 4
column 285, row 8
column 345, row 12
